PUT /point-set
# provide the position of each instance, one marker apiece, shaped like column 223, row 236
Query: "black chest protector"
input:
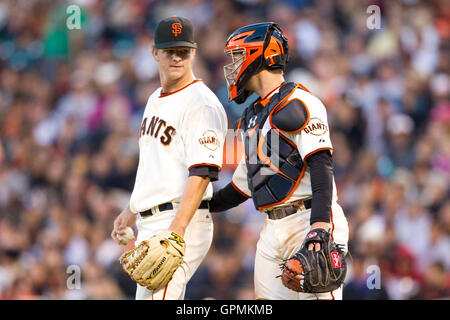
column 274, row 165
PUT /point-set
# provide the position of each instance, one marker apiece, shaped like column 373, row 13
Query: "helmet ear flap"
column 279, row 58
column 276, row 62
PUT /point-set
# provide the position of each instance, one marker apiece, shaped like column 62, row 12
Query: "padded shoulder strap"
column 291, row 117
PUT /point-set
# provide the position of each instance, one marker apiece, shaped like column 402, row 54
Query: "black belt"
column 282, row 212
column 169, row 206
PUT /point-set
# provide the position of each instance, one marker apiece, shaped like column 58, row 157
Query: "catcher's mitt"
column 153, row 262
column 315, row 271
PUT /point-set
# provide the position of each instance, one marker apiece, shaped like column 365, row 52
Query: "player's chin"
column 176, row 72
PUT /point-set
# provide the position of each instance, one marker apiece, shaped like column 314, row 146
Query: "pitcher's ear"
column 155, row 53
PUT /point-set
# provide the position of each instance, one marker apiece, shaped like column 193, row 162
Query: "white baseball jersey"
column 314, row 136
column 179, row 130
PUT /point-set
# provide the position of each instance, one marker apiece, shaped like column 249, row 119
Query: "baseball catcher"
column 153, row 263
column 287, row 170
column 312, row 271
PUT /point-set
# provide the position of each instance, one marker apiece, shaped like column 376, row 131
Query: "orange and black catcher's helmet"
column 253, row 48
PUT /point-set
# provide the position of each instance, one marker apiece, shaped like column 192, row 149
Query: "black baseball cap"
column 174, row 32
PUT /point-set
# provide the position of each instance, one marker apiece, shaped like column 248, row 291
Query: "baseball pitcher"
column 180, row 151
column 287, row 170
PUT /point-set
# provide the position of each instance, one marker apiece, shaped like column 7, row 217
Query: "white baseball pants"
column 279, row 240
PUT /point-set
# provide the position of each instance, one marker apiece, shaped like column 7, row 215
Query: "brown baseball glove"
column 315, row 271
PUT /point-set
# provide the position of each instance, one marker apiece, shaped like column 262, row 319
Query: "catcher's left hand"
column 153, row 262
column 313, row 271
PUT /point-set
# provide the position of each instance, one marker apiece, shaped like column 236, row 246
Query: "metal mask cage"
column 232, row 69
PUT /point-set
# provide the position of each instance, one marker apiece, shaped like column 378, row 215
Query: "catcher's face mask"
column 233, row 69
column 252, row 48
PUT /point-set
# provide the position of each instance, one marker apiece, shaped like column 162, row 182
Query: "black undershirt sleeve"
column 226, row 198
column 321, row 172
column 205, row 171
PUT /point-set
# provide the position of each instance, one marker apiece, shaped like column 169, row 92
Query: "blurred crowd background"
column 71, row 103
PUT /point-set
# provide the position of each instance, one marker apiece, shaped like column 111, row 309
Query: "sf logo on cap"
column 176, row 28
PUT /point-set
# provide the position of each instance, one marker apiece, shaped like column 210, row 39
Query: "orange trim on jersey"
column 236, row 135
column 281, row 107
column 264, row 101
column 284, row 99
column 267, row 160
column 205, row 164
column 239, row 124
column 332, row 295
column 290, row 193
column 239, row 190
column 317, row 150
column 303, row 87
column 162, row 95
column 286, row 139
column 251, row 132
column 165, row 291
